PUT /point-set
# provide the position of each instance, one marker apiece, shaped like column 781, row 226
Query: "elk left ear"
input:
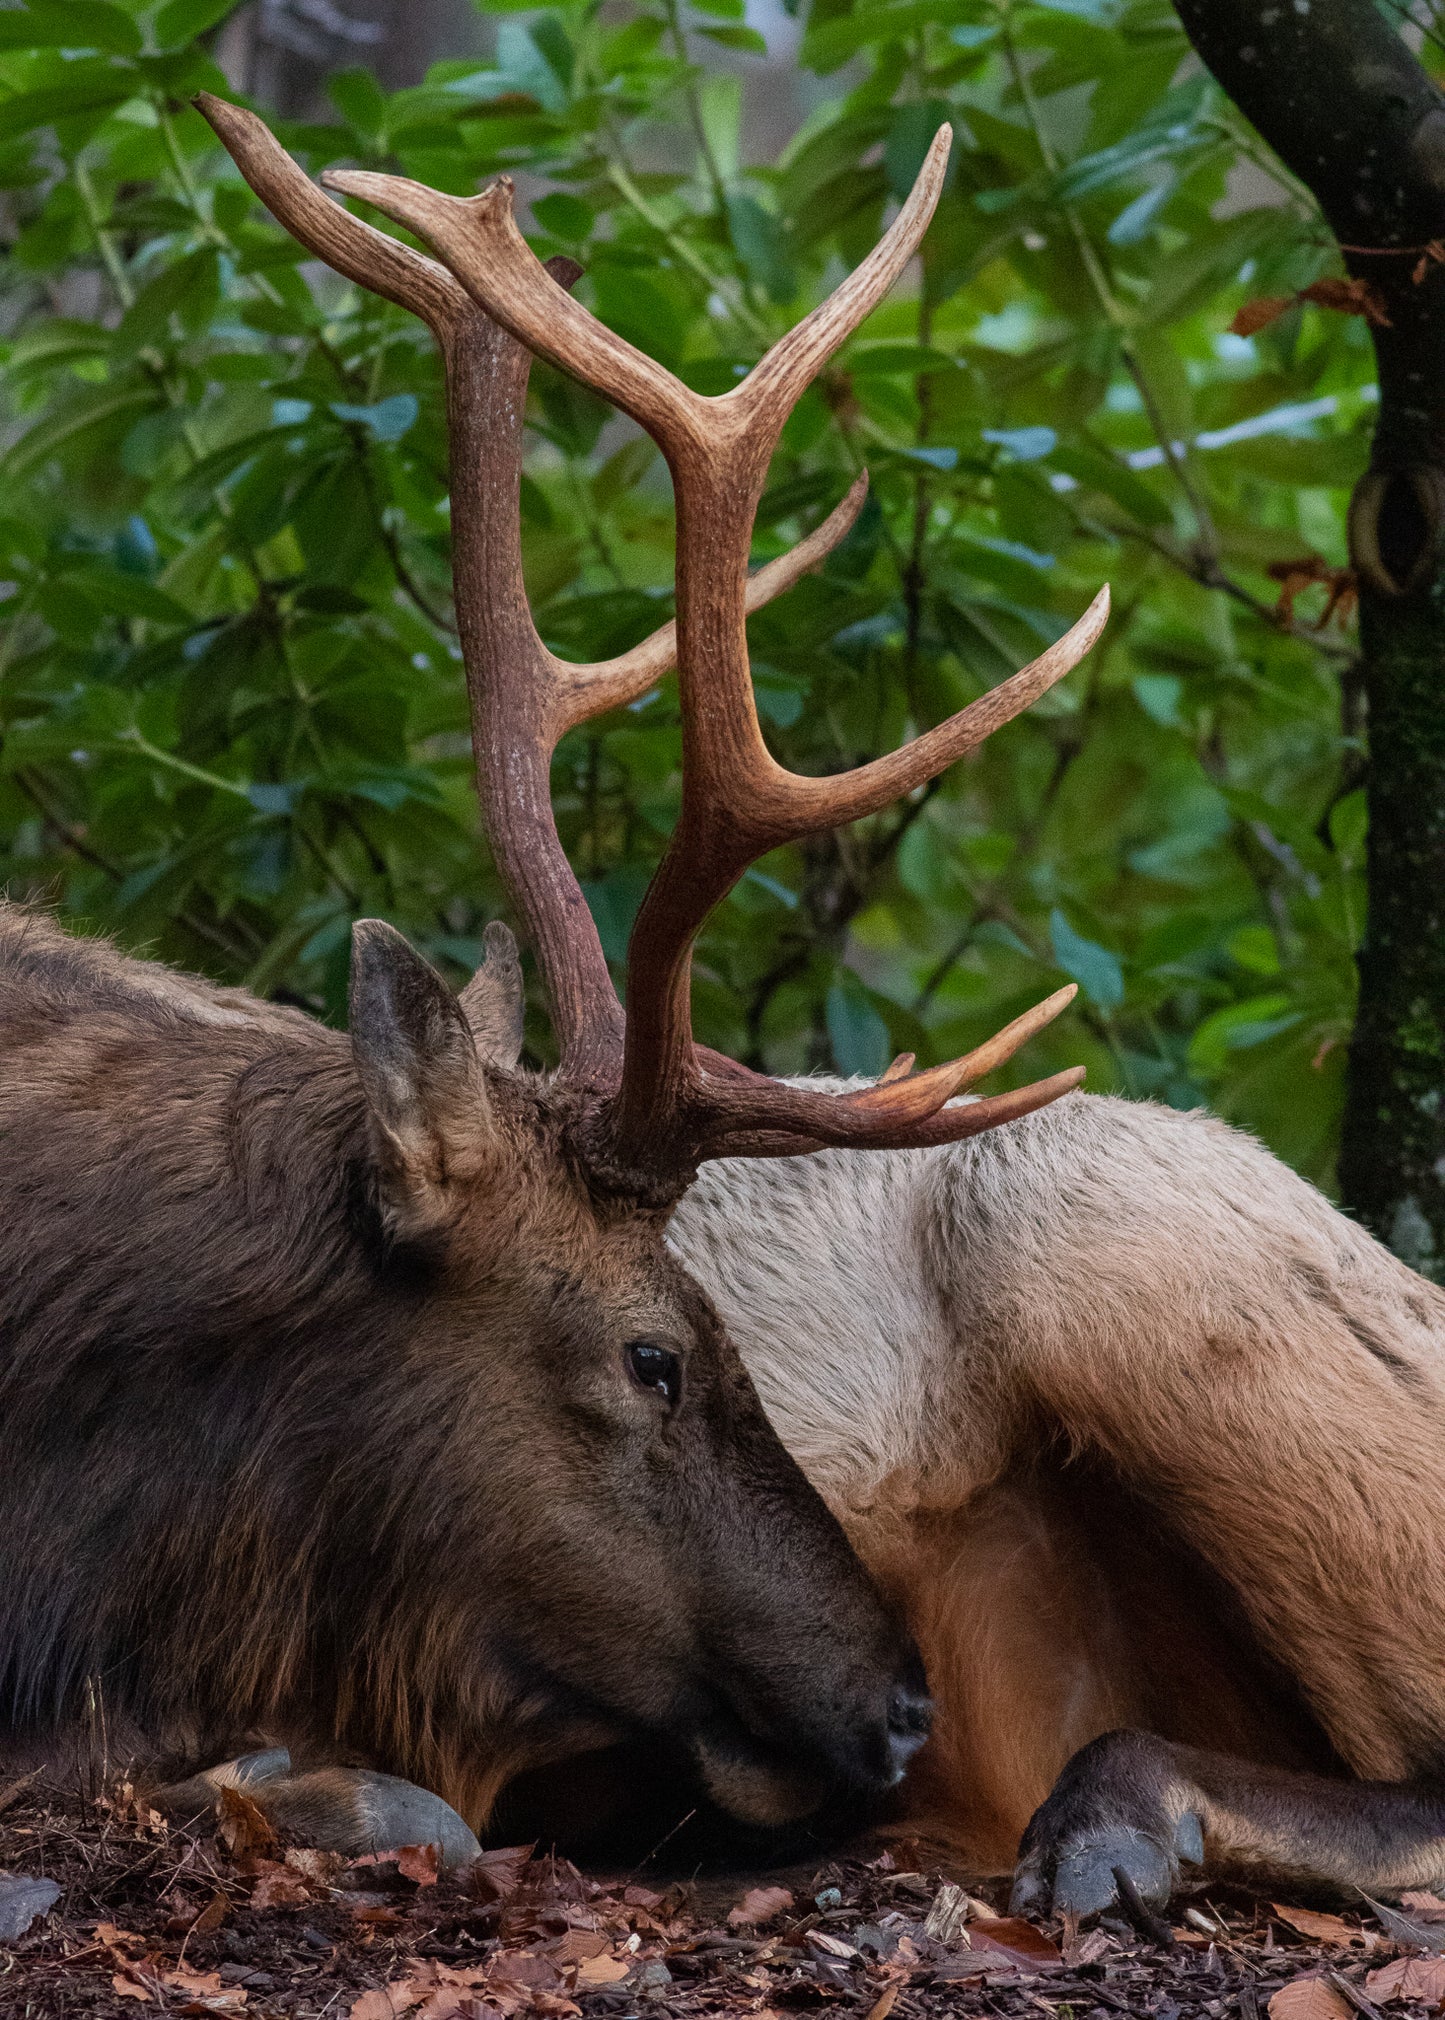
column 432, row 1120
column 493, row 999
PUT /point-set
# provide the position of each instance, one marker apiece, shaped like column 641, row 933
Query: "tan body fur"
column 1138, row 1428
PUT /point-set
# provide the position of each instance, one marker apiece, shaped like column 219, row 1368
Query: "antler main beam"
column 523, row 697
column 664, row 1103
column 737, row 802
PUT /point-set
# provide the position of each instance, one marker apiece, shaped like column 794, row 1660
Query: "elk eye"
column 656, row 1368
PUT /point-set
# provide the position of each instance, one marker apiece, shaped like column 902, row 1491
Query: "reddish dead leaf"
column 577, row 1946
column 602, row 1971
column 1322, row 1928
column 120, row 1940
column 1017, row 1939
column 279, row 1886
column 1294, row 577
column 1409, row 1978
column 203, row 1991
column 244, row 1828
column 1259, row 314
column 377, row 1916
column 387, row 2002
column 418, row 1863
column 759, row 1904
column 883, row 2005
column 1423, row 1907
column 1348, row 298
column 211, row 1916
column 497, row 1875
column 1310, row 1998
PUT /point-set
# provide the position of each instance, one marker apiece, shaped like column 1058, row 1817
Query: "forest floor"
column 133, row 1918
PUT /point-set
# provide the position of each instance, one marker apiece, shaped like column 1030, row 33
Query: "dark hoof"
column 1109, row 1836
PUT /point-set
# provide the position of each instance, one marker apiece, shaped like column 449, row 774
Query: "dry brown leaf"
column 1409, row 1978
column 211, row 1916
column 321, row 1869
column 1016, row 1938
column 603, row 1970
column 1310, row 1998
column 883, row 2005
column 417, row 1863
column 497, row 1875
column 759, row 1904
column 1348, row 298
column 118, row 1939
column 1259, row 314
column 1423, row 1907
column 244, row 1828
column 387, row 2002
column 278, row 1886
column 577, row 1946
column 1321, row 1928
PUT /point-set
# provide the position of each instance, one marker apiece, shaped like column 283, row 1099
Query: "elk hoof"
column 1083, row 1880
column 1112, row 1834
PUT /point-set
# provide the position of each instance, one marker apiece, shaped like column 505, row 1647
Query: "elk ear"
column 493, row 999
column 418, row 1067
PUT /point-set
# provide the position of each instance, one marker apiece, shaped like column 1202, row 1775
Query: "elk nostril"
column 910, row 1718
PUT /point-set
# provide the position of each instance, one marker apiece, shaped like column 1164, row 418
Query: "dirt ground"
column 148, row 1919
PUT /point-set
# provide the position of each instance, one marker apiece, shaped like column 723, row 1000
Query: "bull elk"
column 1145, row 1439
column 352, row 1407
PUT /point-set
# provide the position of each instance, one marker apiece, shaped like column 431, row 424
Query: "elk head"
column 678, row 1572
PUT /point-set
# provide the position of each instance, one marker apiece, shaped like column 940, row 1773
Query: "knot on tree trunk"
column 1397, row 528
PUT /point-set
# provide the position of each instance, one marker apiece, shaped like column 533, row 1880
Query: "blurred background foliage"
column 232, row 711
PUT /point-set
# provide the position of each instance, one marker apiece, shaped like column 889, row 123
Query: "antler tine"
column 791, row 366
column 673, row 1105
column 949, row 1125
column 585, row 691
column 353, row 248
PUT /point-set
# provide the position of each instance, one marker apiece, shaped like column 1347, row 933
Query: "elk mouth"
column 754, row 1780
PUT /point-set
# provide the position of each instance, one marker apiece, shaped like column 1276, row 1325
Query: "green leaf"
column 181, row 21
column 70, row 24
column 1098, row 972
column 857, row 1033
column 747, row 39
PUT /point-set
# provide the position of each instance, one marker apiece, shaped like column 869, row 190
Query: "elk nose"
column 910, row 1717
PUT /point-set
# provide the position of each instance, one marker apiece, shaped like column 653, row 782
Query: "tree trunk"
column 1343, row 102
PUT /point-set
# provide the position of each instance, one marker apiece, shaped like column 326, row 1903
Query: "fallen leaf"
column 759, row 1904
column 497, row 1875
column 322, row 1869
column 1321, row 1928
column 203, row 1991
column 1259, row 314
column 883, row 2005
column 1310, row 1998
column 1409, row 1978
column 577, row 1946
column 418, row 1863
column 244, row 1828
column 603, row 1970
column 387, row 2002
column 1348, row 298
column 277, row 1886
column 14, row 1789
column 1423, row 1907
column 1402, row 1929
column 211, row 1916
column 1015, row 1937
column 23, row 1900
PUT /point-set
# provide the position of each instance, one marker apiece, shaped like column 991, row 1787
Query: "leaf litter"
column 227, row 1919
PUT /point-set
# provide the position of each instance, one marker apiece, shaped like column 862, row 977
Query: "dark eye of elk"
column 656, row 1368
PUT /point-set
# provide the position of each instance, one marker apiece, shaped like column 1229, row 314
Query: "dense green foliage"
column 232, row 713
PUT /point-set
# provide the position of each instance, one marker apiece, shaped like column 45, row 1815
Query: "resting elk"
column 352, row 1408
column 1143, row 1437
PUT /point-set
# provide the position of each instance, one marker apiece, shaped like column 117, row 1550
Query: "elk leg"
column 336, row 1809
column 1132, row 1802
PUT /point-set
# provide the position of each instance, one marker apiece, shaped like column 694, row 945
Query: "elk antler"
column 662, row 1103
